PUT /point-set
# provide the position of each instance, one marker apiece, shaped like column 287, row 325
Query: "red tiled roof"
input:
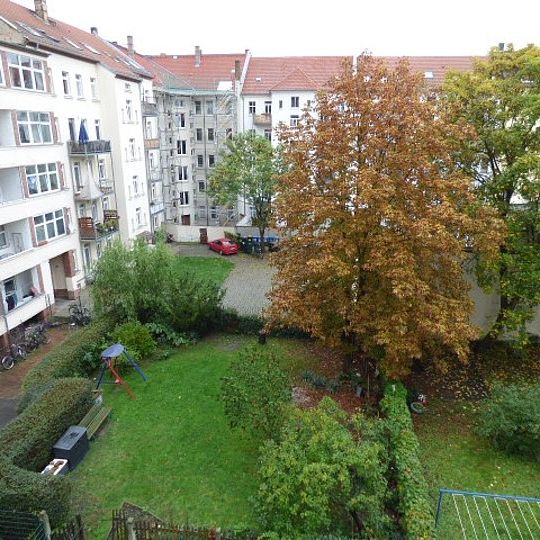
column 213, row 69
column 291, row 73
column 438, row 66
column 52, row 35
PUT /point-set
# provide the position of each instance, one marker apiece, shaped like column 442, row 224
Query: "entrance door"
column 186, row 220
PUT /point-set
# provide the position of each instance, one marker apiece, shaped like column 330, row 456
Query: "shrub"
column 319, row 475
column 75, row 357
column 166, row 335
column 136, row 338
column 319, row 381
column 414, row 503
column 26, row 443
column 255, row 391
column 150, row 286
column 510, row 419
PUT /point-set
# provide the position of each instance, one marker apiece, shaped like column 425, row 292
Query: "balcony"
column 156, row 207
column 106, row 186
column 151, row 144
column 154, row 175
column 264, row 120
column 76, row 148
column 149, row 108
column 89, row 229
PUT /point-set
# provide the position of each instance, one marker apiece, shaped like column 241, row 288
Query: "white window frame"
column 138, row 216
column 2, row 75
column 77, row 176
column 210, row 106
column 50, row 225
column 3, row 237
column 97, row 127
column 198, row 134
column 267, row 107
column 79, row 85
column 35, row 123
column 102, row 169
column 200, row 160
column 183, row 198
column 295, row 102
column 211, row 135
column 252, row 107
column 33, row 74
column 293, row 121
column 43, row 176
column 93, row 88
column 183, row 173
column 211, row 161
column 198, row 107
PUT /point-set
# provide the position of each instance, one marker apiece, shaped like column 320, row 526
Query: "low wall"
column 191, row 233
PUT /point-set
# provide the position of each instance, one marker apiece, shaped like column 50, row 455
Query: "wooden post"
column 44, row 518
column 131, row 529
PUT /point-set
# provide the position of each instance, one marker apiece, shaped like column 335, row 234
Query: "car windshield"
column 227, row 243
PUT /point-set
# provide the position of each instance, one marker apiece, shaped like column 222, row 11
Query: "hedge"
column 26, row 443
column 414, row 503
column 69, row 360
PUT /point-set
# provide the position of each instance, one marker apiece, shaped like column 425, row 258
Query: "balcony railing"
column 149, row 108
column 89, row 148
column 151, row 144
column 262, row 119
column 155, row 175
column 89, row 229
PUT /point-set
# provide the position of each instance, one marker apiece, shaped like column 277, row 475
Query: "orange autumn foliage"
column 379, row 221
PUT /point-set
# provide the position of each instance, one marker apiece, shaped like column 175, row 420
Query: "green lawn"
column 212, row 268
column 456, row 458
column 170, row 450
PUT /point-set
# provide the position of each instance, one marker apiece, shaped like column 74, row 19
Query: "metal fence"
column 21, row 526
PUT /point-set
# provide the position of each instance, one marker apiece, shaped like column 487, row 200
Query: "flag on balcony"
column 83, row 134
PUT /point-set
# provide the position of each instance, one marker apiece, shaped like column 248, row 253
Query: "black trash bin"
column 72, row 445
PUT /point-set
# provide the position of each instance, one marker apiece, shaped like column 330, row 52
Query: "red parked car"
column 224, row 246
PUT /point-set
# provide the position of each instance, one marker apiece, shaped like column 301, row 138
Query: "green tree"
column 247, row 169
column 149, row 285
column 501, row 99
column 320, row 474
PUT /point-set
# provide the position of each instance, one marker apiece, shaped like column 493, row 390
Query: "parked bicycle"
column 35, row 335
column 16, row 351
column 79, row 315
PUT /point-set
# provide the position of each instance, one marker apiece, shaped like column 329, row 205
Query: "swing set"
column 108, row 361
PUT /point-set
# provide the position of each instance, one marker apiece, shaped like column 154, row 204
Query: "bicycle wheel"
column 8, row 362
column 21, row 350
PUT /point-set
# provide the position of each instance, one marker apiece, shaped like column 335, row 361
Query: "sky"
column 299, row 27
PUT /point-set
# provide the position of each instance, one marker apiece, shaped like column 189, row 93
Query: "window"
column 178, row 102
column 129, row 111
column 184, row 197
column 268, row 134
column 79, row 84
column 72, row 131
column 77, row 176
column 198, row 107
column 428, row 75
column 252, row 108
column 34, row 127
column 26, row 72
column 49, row 225
column 127, row 87
column 202, row 185
column 138, row 216
column 228, row 133
column 211, row 134
column 268, row 107
column 93, row 88
column 281, row 104
column 198, row 134
column 135, row 186
column 66, row 83
column 106, row 203
column 97, row 125
column 181, row 147
column 132, row 149
column 308, row 103
column 214, row 212
column 42, row 178
column 295, row 102
column 2, row 79
column 102, row 169
column 182, row 120
column 183, row 173
column 210, row 107
column 211, row 160
column 3, row 237
column 202, row 212
column 294, row 120
column 200, row 160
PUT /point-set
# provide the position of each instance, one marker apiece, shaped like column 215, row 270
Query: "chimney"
column 41, row 9
column 198, row 54
column 93, row 30
column 131, row 51
column 501, row 46
column 237, row 70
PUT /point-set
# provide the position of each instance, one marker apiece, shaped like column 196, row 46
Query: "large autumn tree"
column 247, row 170
column 380, row 221
column 501, row 99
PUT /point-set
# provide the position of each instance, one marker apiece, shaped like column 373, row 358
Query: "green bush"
column 136, row 338
column 26, row 444
column 255, row 391
column 414, row 503
column 510, row 419
column 77, row 356
column 165, row 335
column 320, row 474
column 150, row 285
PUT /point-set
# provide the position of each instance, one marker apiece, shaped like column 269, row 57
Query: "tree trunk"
column 261, row 233
column 357, row 521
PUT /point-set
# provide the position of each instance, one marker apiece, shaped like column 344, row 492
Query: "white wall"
column 187, row 233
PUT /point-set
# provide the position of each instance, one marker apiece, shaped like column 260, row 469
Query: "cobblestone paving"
column 247, row 284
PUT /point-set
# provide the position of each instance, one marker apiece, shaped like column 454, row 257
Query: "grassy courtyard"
column 171, row 450
column 211, row 268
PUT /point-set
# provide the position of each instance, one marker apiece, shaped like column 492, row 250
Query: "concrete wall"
column 186, row 233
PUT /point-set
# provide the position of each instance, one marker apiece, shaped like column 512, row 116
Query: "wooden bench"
column 94, row 418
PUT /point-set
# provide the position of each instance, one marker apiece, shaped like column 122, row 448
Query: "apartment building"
column 72, row 170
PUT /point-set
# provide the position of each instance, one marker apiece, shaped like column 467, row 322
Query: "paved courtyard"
column 247, row 284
